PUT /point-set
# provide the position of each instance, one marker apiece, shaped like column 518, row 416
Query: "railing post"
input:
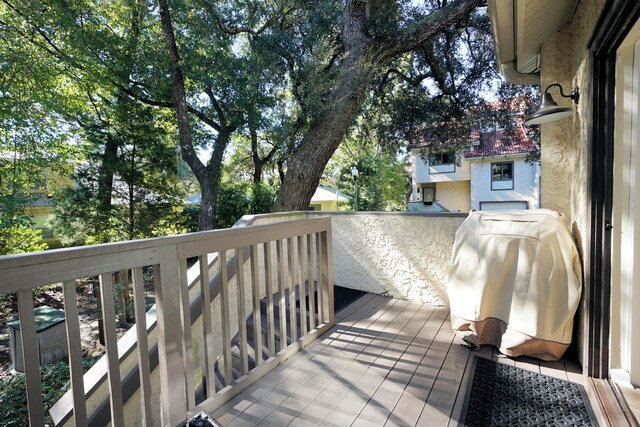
column 310, row 281
column 327, row 254
column 172, row 376
column 293, row 327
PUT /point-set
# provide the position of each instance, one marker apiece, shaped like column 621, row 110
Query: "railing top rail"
column 250, row 219
column 61, row 264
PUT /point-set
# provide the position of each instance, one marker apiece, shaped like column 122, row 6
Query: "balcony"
column 244, row 327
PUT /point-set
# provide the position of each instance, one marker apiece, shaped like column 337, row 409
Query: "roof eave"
column 519, row 27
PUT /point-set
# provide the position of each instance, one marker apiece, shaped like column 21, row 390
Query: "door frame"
column 615, row 22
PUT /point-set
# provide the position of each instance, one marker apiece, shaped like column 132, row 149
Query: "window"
column 442, row 162
column 441, row 159
column 502, row 176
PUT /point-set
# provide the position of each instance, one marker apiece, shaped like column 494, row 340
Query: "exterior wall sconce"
column 428, row 195
column 549, row 111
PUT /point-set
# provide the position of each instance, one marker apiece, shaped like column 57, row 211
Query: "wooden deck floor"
column 386, row 362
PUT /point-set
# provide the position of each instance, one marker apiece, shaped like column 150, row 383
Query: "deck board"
column 386, row 362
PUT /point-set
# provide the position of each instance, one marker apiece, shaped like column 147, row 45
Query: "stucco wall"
column 525, row 181
column 556, row 155
column 402, row 255
column 564, row 155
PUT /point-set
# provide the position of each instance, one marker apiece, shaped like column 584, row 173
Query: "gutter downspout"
column 513, row 76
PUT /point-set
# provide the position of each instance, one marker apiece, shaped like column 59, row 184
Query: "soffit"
column 521, row 26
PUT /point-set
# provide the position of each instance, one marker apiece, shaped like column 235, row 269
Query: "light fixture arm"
column 575, row 95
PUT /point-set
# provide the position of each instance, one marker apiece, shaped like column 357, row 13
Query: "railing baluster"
column 268, row 275
column 327, row 273
column 319, row 278
column 111, row 341
column 282, row 300
column 187, row 348
column 311, row 280
column 293, row 322
column 30, row 357
column 242, row 310
column 226, row 322
column 74, row 344
column 143, row 346
column 301, row 286
column 207, row 331
column 255, row 293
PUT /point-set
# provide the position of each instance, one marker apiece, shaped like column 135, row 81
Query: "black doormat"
column 503, row 395
column 342, row 297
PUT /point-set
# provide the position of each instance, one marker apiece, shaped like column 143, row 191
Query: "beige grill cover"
column 514, row 282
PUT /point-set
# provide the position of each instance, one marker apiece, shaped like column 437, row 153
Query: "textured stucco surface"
column 556, row 154
column 564, row 153
column 404, row 256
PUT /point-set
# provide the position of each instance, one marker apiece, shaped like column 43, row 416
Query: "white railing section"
column 301, row 264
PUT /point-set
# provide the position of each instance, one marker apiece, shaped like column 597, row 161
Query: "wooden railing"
column 284, row 261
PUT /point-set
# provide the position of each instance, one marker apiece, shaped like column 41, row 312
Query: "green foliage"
column 19, row 238
column 79, row 222
column 129, row 189
column 236, row 199
column 382, row 183
column 13, row 392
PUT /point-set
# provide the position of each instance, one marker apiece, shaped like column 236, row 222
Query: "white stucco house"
column 492, row 174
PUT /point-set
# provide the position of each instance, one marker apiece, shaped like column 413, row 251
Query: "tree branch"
column 216, row 106
column 412, row 81
column 424, row 29
column 243, row 29
column 439, row 75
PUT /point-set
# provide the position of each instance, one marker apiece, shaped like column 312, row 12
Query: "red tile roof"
column 503, row 144
column 485, row 144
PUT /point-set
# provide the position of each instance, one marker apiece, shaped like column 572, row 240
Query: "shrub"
column 13, row 392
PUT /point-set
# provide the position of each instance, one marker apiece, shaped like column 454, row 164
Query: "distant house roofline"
column 327, row 194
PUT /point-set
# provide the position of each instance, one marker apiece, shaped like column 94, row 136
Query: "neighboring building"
column 590, row 160
column 39, row 206
column 491, row 174
column 326, row 199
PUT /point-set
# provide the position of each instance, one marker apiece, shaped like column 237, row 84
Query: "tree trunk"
column 105, row 175
column 258, row 163
column 208, row 176
column 362, row 56
column 307, row 164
